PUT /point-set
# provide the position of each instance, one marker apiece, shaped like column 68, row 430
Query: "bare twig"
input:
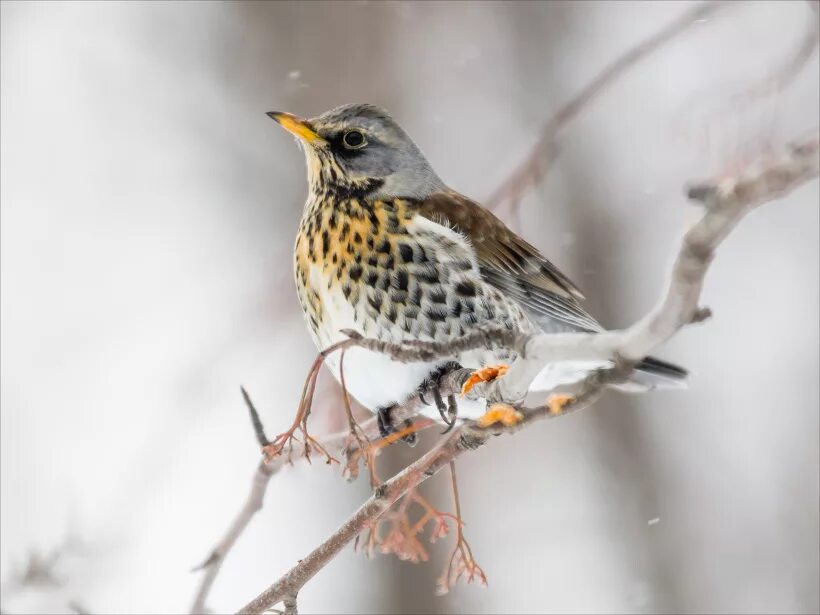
column 545, row 151
column 726, row 202
column 258, row 430
column 253, row 504
column 782, row 76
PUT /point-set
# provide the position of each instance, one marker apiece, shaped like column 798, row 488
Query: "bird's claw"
column 448, row 412
column 432, row 384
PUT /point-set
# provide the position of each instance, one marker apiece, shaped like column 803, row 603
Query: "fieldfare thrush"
column 385, row 248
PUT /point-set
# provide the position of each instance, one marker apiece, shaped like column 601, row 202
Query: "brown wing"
column 507, row 261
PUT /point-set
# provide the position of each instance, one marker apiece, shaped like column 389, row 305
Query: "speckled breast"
column 382, row 270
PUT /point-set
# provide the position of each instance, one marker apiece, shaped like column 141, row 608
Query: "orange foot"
column 500, row 413
column 485, row 374
column 557, row 402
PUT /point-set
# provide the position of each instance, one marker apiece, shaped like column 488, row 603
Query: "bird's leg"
column 411, row 428
column 284, row 440
column 432, row 383
column 386, row 428
column 369, row 452
column 461, row 562
column 485, row 374
column 452, row 413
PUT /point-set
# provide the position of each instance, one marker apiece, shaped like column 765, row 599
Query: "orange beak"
column 295, row 125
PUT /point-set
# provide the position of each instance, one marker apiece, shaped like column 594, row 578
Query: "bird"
column 385, row 248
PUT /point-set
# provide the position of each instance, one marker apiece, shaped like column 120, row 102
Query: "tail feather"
column 651, row 373
column 655, row 373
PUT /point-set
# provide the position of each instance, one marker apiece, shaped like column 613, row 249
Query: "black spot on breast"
column 415, row 296
column 384, row 247
column 371, row 277
column 420, row 255
column 370, row 242
column 392, row 219
column 357, row 237
column 466, row 288
column 375, row 301
column 332, row 221
column 437, row 295
column 345, row 230
column 355, row 272
column 405, row 252
column 411, row 313
column 398, row 296
column 456, row 309
column 391, row 314
column 325, row 243
column 346, row 290
column 384, row 281
column 400, row 279
column 427, row 275
column 373, row 260
column 389, row 262
column 335, row 258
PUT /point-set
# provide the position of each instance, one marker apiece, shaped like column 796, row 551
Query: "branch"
column 726, row 202
column 544, row 152
column 782, row 76
column 253, row 504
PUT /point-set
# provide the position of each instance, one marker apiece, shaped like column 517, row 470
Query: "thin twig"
column 544, row 152
column 782, row 76
column 255, row 420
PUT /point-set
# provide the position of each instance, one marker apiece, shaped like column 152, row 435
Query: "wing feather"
column 508, row 262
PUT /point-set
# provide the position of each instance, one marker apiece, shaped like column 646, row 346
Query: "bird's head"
column 360, row 149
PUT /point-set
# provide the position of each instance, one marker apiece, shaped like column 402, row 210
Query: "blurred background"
column 149, row 209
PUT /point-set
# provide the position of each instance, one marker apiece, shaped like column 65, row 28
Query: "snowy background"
column 148, row 213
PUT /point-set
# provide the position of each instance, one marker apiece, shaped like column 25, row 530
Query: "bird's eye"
column 353, row 139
